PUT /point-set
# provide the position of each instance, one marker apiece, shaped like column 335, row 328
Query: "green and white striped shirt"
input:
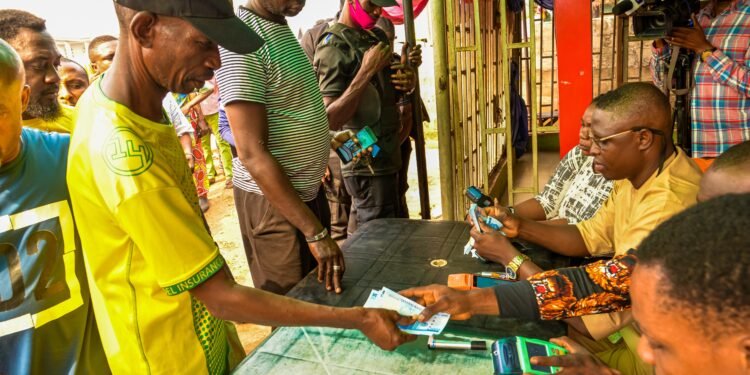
column 280, row 76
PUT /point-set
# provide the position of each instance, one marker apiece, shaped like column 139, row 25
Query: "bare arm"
column 187, row 146
column 341, row 109
column 228, row 300
column 195, row 101
column 530, row 209
column 562, row 239
column 249, row 125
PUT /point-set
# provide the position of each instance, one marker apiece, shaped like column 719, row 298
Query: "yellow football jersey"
column 145, row 243
column 63, row 124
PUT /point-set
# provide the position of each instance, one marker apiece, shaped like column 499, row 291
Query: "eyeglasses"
column 602, row 142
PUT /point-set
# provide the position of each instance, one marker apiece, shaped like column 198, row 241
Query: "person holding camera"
column 720, row 98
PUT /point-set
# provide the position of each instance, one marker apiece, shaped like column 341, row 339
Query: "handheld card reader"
column 510, row 355
column 476, row 196
column 468, row 281
column 349, row 149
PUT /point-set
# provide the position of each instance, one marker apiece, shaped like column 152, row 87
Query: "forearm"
column 230, row 301
column 276, row 187
column 407, row 121
column 528, row 269
column 562, row 239
column 340, row 110
column 187, row 143
column 195, row 101
column 483, row 302
column 530, row 209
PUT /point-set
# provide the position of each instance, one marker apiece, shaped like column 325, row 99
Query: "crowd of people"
column 105, row 170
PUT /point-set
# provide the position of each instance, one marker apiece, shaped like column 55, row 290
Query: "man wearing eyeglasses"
column 632, row 145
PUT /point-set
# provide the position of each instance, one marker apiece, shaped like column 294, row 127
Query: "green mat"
column 314, row 350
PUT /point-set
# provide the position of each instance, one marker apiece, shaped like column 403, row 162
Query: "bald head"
column 14, row 96
column 11, row 66
column 639, row 101
column 729, row 174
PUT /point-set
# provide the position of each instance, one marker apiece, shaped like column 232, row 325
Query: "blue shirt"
column 46, row 321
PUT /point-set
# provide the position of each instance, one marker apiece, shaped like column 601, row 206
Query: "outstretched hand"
column 381, row 327
column 440, row 298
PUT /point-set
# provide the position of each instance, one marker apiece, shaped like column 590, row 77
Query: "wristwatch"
column 512, row 268
column 707, row 53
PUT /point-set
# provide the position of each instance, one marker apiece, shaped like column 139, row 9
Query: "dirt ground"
column 222, row 219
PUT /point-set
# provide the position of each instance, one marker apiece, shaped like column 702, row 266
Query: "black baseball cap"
column 214, row 18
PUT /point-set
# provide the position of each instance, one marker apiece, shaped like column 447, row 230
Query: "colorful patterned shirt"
column 574, row 192
column 720, row 99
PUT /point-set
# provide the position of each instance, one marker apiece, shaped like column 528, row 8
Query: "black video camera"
column 656, row 18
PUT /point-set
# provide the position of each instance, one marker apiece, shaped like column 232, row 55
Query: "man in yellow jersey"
column 160, row 288
column 28, row 35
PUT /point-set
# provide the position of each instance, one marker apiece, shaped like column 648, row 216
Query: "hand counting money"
column 390, row 300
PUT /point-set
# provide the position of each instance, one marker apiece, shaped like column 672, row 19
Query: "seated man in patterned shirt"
column 573, row 194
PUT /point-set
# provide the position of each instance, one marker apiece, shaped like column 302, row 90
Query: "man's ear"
column 142, row 28
column 25, row 95
column 645, row 139
column 745, row 346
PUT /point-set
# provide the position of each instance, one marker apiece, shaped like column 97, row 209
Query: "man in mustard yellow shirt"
column 28, row 35
column 161, row 290
column 632, row 144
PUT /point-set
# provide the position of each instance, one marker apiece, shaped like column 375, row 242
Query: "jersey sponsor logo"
column 201, row 276
column 126, row 154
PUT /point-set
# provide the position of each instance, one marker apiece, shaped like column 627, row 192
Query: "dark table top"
column 396, row 253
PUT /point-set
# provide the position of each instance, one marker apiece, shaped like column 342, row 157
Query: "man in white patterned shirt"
column 573, row 194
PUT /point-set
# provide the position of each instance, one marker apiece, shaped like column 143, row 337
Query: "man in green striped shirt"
column 280, row 128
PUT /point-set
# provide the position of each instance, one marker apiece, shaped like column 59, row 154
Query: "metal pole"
column 442, row 102
column 424, row 193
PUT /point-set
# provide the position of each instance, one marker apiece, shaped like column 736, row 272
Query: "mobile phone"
column 476, row 217
column 468, row 281
column 510, row 355
column 349, row 149
column 476, row 196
